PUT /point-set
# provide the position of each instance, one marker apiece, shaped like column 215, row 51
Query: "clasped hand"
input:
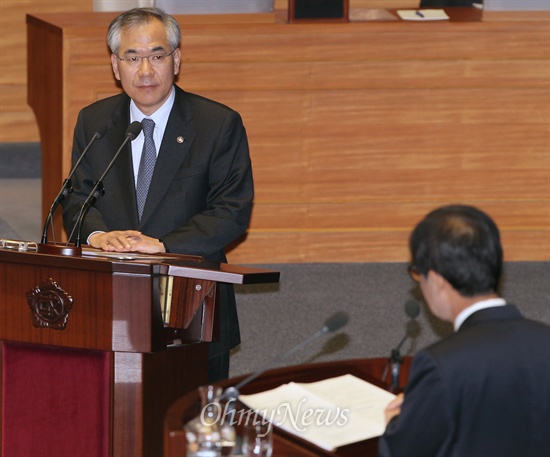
column 126, row 241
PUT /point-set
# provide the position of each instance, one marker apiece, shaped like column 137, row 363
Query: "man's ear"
column 114, row 65
column 440, row 286
column 437, row 280
column 177, row 60
column 441, row 295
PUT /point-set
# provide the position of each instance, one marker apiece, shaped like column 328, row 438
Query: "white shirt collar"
column 160, row 116
column 465, row 313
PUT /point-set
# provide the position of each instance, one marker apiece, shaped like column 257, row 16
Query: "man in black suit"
column 485, row 390
column 199, row 198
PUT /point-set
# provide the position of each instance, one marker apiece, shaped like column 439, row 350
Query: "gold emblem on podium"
column 50, row 305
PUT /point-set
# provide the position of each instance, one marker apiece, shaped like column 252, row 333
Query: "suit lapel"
column 176, row 142
column 123, row 167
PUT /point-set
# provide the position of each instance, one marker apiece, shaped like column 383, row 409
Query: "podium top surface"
column 185, row 266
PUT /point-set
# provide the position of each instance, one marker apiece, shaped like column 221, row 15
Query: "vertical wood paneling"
column 357, row 130
column 17, row 120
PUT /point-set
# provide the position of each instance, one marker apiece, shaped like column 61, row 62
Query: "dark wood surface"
column 115, row 308
column 102, row 290
column 285, row 444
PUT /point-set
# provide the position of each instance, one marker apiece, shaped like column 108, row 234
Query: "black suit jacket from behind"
column 482, row 392
column 201, row 193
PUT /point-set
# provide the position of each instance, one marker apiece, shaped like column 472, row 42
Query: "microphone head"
column 231, row 393
column 133, row 130
column 335, row 322
column 412, row 309
column 100, row 130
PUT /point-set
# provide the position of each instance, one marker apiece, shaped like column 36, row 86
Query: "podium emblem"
column 50, row 305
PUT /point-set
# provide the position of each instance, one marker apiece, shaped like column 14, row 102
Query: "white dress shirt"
column 160, row 117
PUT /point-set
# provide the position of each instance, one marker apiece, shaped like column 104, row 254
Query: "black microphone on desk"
column 412, row 309
column 67, row 187
column 133, row 130
column 333, row 323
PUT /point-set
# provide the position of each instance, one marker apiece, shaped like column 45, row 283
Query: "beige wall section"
column 357, row 130
column 17, row 122
column 404, row 123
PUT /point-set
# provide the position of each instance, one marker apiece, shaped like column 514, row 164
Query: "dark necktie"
column 146, row 164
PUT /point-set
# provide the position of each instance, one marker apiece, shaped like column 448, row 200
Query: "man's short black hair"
column 462, row 244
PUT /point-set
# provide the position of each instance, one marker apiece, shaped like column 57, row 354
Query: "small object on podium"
column 318, row 10
column 423, row 15
column 203, row 433
column 228, row 433
column 258, row 439
column 18, row 245
column 59, row 249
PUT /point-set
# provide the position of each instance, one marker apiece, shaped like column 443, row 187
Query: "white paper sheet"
column 329, row 413
column 423, row 15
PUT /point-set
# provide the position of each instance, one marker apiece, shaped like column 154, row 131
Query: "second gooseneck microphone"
column 412, row 309
column 133, row 130
column 333, row 323
column 67, row 187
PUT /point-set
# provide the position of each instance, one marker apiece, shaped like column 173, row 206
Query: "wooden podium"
column 95, row 349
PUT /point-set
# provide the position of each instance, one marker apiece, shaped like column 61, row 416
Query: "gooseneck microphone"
column 133, row 130
column 67, row 187
column 412, row 309
column 333, row 323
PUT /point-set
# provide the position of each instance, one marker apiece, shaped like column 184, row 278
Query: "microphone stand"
column 49, row 248
column 66, row 189
column 96, row 192
column 396, row 361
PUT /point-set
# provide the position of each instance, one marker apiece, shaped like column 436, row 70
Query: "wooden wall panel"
column 365, row 245
column 374, row 231
column 432, row 74
column 398, row 123
column 364, row 215
column 357, row 130
column 17, row 120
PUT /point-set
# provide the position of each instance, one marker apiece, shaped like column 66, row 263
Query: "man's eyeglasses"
column 414, row 272
column 156, row 59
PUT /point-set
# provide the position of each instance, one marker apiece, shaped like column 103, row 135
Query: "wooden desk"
column 285, row 444
column 356, row 129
